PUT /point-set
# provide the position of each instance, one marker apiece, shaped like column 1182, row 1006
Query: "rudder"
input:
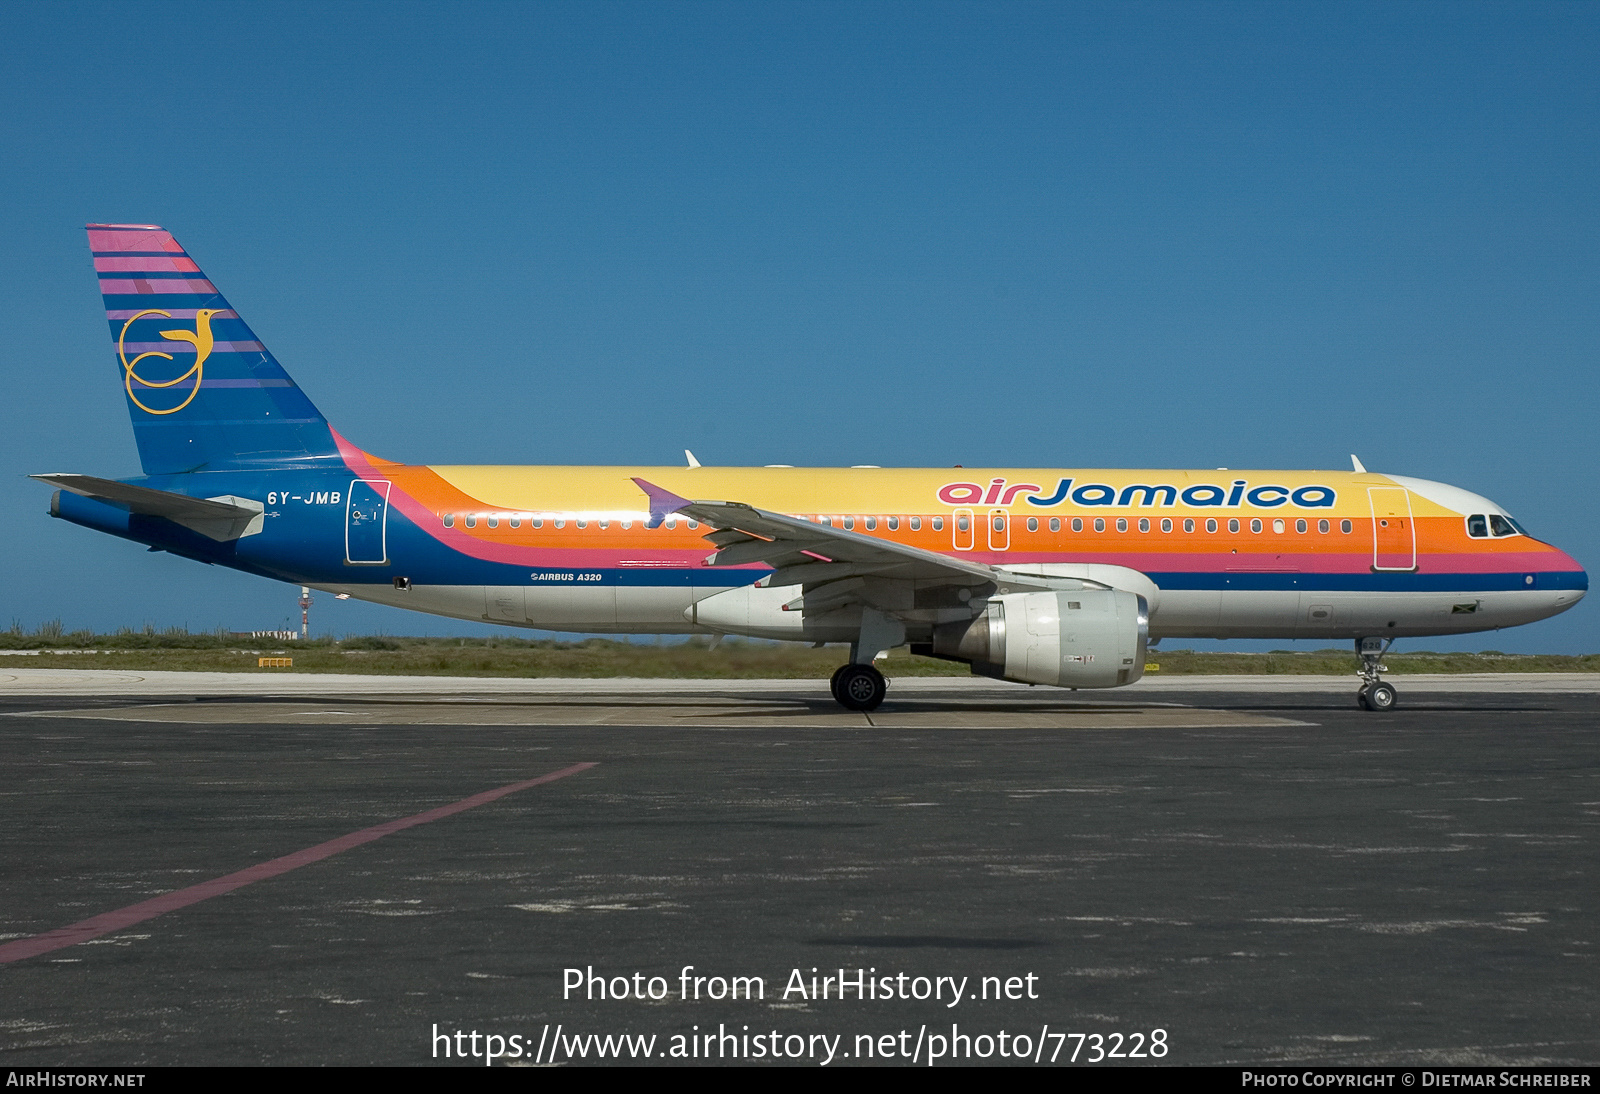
column 203, row 392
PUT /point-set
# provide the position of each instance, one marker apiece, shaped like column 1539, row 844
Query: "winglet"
column 662, row 502
column 1356, row 465
column 693, row 463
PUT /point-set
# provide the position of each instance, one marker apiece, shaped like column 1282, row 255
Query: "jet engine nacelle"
column 1089, row 638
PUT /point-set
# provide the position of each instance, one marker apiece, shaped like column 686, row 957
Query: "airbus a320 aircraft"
column 1059, row 577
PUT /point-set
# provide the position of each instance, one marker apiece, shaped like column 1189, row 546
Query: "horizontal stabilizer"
column 222, row 519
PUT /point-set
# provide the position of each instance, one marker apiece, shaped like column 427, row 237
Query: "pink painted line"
column 131, row 237
column 167, row 285
column 133, row 349
column 177, row 313
column 175, row 264
column 123, row 918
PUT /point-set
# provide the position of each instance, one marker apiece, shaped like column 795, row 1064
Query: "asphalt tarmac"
column 1264, row 875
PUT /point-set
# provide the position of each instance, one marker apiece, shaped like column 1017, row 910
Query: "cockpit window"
column 1501, row 526
column 1478, row 526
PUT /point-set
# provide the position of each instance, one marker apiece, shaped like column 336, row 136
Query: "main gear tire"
column 859, row 687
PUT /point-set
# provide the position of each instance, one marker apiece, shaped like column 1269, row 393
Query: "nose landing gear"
column 1374, row 694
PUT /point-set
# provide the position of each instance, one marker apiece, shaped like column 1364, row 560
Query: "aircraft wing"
column 222, row 519
column 805, row 553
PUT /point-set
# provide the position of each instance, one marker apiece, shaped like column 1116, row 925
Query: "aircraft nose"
column 1566, row 574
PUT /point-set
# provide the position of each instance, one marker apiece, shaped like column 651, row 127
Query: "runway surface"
column 1256, row 868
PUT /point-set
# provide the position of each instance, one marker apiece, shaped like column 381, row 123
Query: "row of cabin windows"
column 893, row 523
column 963, row 523
column 517, row 520
column 1280, row 526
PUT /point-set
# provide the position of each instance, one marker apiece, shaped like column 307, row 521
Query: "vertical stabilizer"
column 203, row 392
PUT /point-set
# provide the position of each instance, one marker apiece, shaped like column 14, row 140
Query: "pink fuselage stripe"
column 123, row 918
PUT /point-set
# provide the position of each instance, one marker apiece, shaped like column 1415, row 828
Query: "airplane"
column 1063, row 577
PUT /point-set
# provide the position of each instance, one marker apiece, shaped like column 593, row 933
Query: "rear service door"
column 1394, row 535
column 366, row 523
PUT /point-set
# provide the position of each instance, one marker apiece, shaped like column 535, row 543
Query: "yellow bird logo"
column 200, row 338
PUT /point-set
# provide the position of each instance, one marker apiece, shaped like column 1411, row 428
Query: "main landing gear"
column 858, row 687
column 1374, row 694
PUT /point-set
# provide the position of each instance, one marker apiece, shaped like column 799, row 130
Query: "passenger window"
column 1188, row 524
column 1211, row 524
column 1500, row 526
column 961, row 524
column 537, row 522
column 1277, row 526
column 472, row 520
column 1322, row 526
column 626, row 525
column 999, row 524
column 894, row 524
column 1299, row 526
column 916, row 524
column 1346, row 527
column 1144, row 524
column 1233, row 526
column 1166, row 524
column 1122, row 524
column 1033, row 524
column 1478, row 526
column 938, row 524
column 1099, row 524
column 583, row 524
column 516, row 522
column 449, row 520
column 872, row 524
column 494, row 521
column 694, row 524
column 1055, row 524
column 604, row 525
column 1077, row 524
column 849, row 524
column 1255, row 526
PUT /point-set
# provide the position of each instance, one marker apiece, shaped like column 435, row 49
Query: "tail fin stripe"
column 138, row 254
column 132, row 272
column 106, row 267
column 177, row 313
column 218, row 348
column 124, row 288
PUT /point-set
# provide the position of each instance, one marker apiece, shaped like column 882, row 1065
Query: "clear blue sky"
column 1243, row 235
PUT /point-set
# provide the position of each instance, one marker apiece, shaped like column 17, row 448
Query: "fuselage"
column 1216, row 554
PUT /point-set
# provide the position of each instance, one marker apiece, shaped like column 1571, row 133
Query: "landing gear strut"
column 858, row 687
column 1374, row 694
